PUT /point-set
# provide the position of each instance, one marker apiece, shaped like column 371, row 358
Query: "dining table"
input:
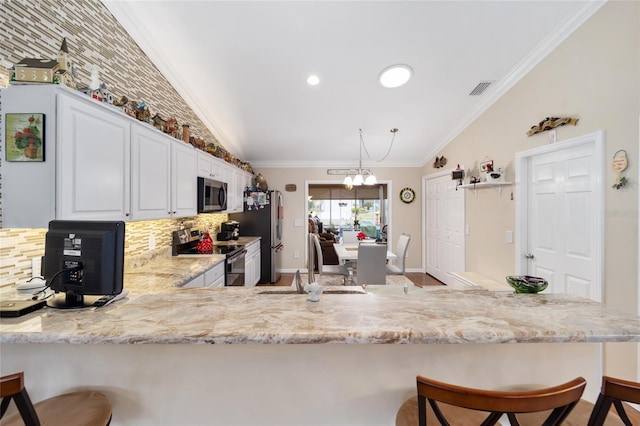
column 348, row 252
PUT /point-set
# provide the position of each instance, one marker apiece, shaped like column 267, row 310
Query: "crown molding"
column 139, row 33
column 541, row 50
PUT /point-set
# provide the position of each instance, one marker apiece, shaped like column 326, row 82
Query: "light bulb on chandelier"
column 370, row 179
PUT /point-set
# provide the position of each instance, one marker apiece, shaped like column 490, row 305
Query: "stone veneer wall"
column 35, row 29
column 19, row 246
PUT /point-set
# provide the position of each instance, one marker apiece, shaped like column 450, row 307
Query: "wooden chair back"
column 559, row 399
column 614, row 392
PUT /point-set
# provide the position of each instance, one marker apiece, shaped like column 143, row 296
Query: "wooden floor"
column 416, row 277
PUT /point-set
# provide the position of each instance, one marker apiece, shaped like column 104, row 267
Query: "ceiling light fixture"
column 370, row 179
column 313, row 80
column 395, row 76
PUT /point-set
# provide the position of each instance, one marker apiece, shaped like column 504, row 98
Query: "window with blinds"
column 362, row 207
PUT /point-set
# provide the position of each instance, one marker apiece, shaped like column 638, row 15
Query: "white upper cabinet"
column 163, row 176
column 99, row 164
column 93, row 162
column 184, row 189
column 150, row 174
column 209, row 166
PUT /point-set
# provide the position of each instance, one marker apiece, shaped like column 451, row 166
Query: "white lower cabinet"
column 252, row 264
column 213, row 277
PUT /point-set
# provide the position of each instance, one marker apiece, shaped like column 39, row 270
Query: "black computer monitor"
column 83, row 258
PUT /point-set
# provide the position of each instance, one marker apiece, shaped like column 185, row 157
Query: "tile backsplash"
column 95, row 40
column 19, row 246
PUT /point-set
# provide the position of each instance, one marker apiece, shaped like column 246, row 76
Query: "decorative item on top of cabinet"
column 261, row 183
column 619, row 165
column 171, row 128
column 142, row 112
column 35, row 70
column 158, row 122
column 185, row 133
column 551, row 123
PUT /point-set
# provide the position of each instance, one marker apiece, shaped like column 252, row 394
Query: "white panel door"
column 564, row 213
column 444, row 207
column 93, row 161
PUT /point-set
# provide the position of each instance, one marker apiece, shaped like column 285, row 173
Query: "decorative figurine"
column 551, row 123
column 185, row 133
column 142, row 112
column 34, row 70
column 171, row 127
column 158, row 122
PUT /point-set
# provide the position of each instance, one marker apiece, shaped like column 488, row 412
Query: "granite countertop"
column 157, row 310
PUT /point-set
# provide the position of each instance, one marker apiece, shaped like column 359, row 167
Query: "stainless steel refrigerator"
column 265, row 221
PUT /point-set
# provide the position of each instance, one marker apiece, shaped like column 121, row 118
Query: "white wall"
column 593, row 75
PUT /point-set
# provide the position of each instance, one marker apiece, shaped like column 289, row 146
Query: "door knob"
column 529, row 256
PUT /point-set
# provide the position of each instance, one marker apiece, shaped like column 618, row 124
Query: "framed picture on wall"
column 24, row 137
column 486, row 166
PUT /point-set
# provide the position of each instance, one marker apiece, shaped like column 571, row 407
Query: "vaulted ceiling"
column 242, row 66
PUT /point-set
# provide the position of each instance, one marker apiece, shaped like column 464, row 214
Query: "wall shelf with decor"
column 475, row 186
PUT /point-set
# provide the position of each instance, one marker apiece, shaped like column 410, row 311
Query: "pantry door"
column 560, row 215
column 444, row 244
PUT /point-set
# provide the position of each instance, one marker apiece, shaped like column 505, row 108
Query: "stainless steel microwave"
column 212, row 196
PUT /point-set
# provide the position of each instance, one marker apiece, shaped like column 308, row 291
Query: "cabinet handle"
column 126, row 214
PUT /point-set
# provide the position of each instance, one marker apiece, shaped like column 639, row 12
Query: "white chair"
column 401, row 251
column 325, row 269
column 372, row 260
column 349, row 237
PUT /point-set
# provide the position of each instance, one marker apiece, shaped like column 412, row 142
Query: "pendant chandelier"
column 366, row 177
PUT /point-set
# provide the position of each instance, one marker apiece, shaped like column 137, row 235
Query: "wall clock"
column 407, row 195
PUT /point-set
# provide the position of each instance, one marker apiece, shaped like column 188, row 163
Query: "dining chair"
column 325, row 269
column 613, row 393
column 447, row 404
column 371, row 264
column 83, row 408
column 398, row 267
column 349, row 237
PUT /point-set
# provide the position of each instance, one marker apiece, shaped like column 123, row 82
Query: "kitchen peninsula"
column 238, row 356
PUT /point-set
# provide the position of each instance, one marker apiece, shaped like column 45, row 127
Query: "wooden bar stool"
column 447, row 404
column 85, row 408
column 612, row 394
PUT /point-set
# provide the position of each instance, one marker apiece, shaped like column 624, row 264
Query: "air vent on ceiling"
column 481, row 87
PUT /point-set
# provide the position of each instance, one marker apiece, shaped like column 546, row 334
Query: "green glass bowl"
column 527, row 283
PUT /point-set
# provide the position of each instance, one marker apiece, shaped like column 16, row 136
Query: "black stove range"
column 185, row 243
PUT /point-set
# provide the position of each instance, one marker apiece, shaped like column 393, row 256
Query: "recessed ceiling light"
column 395, row 75
column 313, row 80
